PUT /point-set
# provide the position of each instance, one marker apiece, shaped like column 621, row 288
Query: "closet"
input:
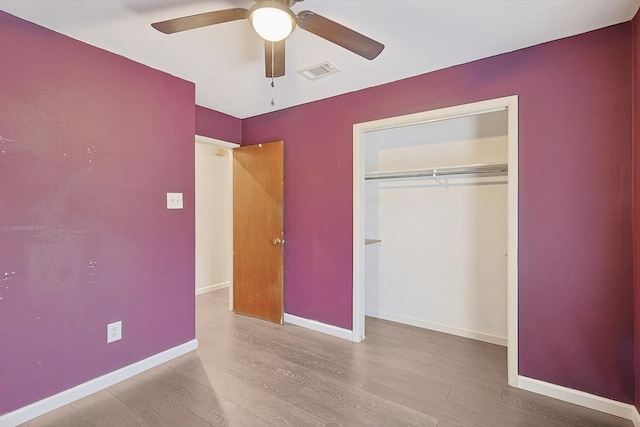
column 435, row 208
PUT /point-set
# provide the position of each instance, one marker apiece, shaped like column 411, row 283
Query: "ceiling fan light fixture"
column 272, row 20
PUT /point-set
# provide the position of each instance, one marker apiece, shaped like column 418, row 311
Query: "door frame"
column 229, row 146
column 510, row 104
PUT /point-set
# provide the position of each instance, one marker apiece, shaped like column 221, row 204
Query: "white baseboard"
column 212, row 288
column 478, row 336
column 577, row 397
column 56, row 401
column 319, row 326
column 636, row 417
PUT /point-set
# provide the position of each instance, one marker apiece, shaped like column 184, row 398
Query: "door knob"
column 277, row 241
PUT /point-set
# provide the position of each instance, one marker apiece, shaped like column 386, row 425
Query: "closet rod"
column 485, row 169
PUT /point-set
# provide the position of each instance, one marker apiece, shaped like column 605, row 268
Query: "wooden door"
column 258, row 258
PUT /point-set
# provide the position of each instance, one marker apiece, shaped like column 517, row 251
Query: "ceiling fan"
column 274, row 20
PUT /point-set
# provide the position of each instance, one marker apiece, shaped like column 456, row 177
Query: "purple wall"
column 636, row 198
column 91, row 142
column 218, row 125
column 575, row 278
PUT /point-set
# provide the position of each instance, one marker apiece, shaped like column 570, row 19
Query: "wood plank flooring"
column 253, row 373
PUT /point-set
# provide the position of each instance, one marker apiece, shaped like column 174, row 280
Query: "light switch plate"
column 174, row 200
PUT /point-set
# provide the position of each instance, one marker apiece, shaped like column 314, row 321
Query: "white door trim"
column 216, row 142
column 509, row 103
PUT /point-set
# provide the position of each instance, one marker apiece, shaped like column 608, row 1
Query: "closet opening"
column 435, row 222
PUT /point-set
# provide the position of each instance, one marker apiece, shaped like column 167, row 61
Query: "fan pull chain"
column 273, row 86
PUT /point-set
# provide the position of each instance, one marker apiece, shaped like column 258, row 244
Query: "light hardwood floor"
column 253, row 373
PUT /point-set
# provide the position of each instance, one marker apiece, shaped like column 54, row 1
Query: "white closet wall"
column 213, row 217
column 442, row 261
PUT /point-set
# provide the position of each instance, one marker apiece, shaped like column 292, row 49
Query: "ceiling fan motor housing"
column 288, row 3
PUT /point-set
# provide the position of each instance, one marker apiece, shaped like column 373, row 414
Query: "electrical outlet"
column 174, row 200
column 114, row 331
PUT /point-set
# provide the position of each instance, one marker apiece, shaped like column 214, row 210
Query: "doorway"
column 360, row 132
column 213, row 217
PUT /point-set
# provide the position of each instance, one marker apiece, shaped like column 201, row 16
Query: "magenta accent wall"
column 217, row 125
column 575, row 277
column 636, row 198
column 91, row 142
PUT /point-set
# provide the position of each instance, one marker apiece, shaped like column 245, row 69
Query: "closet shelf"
column 492, row 169
column 371, row 241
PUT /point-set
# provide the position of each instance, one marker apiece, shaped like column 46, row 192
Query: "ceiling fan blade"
column 278, row 58
column 200, row 20
column 339, row 34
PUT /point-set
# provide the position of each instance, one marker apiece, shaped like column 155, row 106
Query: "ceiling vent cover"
column 317, row 71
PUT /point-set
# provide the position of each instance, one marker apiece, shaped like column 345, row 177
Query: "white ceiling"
column 226, row 61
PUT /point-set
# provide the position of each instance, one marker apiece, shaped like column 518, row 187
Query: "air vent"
column 318, row 71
